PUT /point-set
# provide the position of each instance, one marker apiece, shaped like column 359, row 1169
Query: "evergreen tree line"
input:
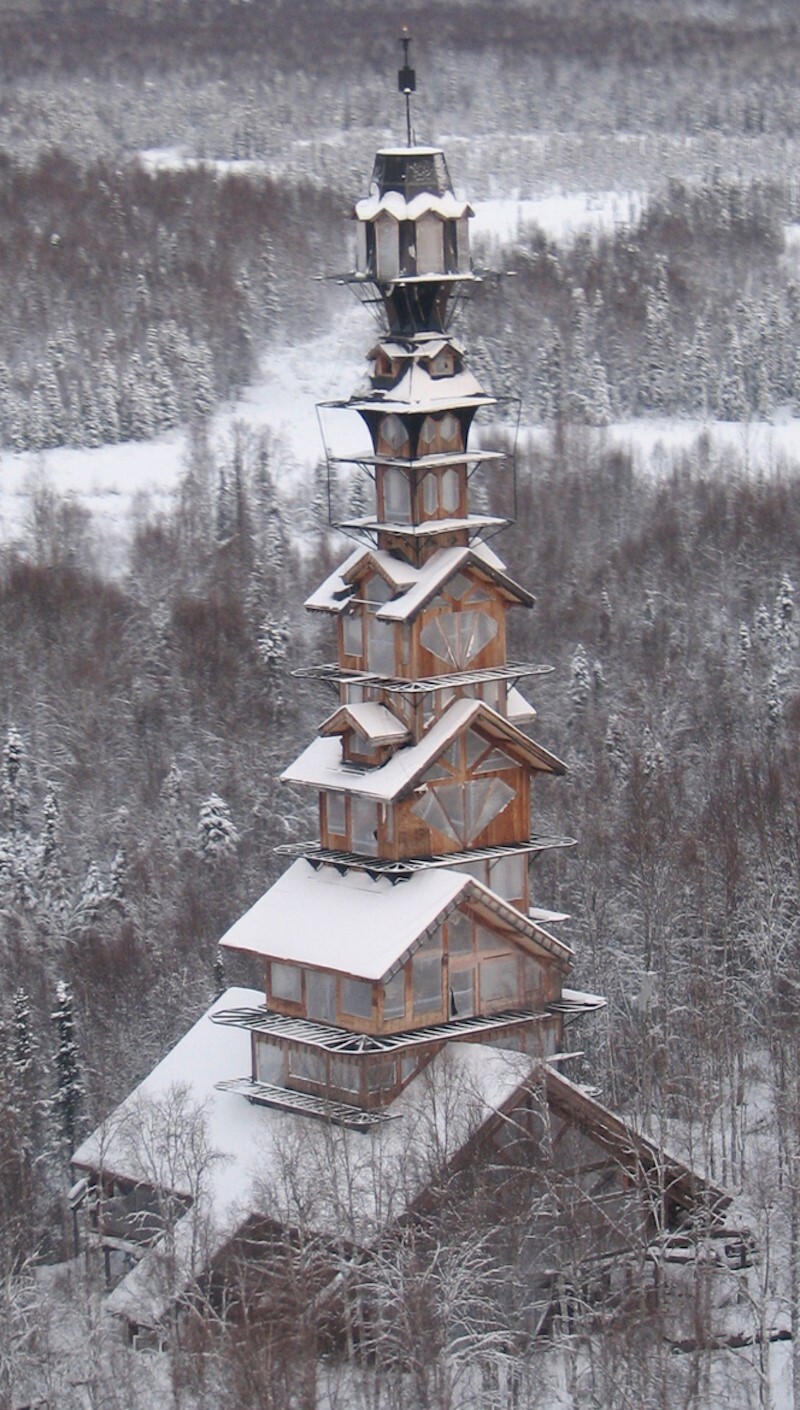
column 135, row 301
column 670, row 612
column 143, row 725
column 693, row 312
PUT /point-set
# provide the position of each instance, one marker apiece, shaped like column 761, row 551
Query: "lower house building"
column 406, row 1051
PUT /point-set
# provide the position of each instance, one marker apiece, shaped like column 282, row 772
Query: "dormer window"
column 443, row 364
column 384, row 367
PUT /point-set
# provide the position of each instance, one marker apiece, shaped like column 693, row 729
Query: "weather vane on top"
column 406, row 79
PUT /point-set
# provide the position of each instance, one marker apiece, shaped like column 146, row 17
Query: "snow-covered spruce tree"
column 217, row 837
column 91, row 899
column 69, row 1088
column 15, row 796
column 273, row 643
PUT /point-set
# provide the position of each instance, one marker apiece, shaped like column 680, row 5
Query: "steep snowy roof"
column 413, row 587
column 350, row 1177
column 321, row 765
column 344, row 921
column 417, row 392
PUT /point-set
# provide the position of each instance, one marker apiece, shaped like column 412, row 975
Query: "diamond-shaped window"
column 458, row 637
column 462, row 810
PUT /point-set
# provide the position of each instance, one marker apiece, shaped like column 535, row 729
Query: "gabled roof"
column 414, row 587
column 350, row 924
column 372, row 722
column 321, row 765
column 421, row 346
column 416, row 392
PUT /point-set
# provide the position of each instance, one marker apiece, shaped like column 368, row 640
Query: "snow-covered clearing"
column 563, row 218
column 120, row 485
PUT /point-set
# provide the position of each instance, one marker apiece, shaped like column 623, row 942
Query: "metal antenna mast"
column 407, row 80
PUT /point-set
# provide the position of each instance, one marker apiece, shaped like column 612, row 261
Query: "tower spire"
column 407, row 80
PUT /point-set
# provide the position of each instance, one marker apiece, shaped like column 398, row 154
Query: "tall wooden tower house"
column 402, row 945
column 408, row 922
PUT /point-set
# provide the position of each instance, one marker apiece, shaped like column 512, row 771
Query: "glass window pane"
column 462, row 810
column 449, row 430
column 351, row 631
column 427, row 982
column 380, row 646
column 507, row 877
column 321, row 996
column 489, row 940
column 428, row 432
column 345, row 1074
column 532, row 974
column 336, row 812
column 364, row 825
column 308, row 1065
column 396, row 497
column 499, row 980
column 458, row 637
column 450, row 490
column 430, row 493
column 393, row 435
column 459, row 933
column 269, row 1062
column 287, row 982
column 462, row 986
column 357, row 998
column 458, row 586
column 394, row 996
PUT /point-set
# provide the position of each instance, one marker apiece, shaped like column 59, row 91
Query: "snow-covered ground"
column 561, row 217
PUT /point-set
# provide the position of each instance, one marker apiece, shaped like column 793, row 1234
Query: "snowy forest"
column 146, row 714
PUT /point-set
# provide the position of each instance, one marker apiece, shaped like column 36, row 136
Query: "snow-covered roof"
column 421, row 346
column 414, row 587
column 345, row 921
column 417, row 392
column 335, row 593
column 321, row 765
column 371, row 721
column 447, row 206
column 254, row 1145
column 349, row 1184
column 519, row 710
column 437, row 571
